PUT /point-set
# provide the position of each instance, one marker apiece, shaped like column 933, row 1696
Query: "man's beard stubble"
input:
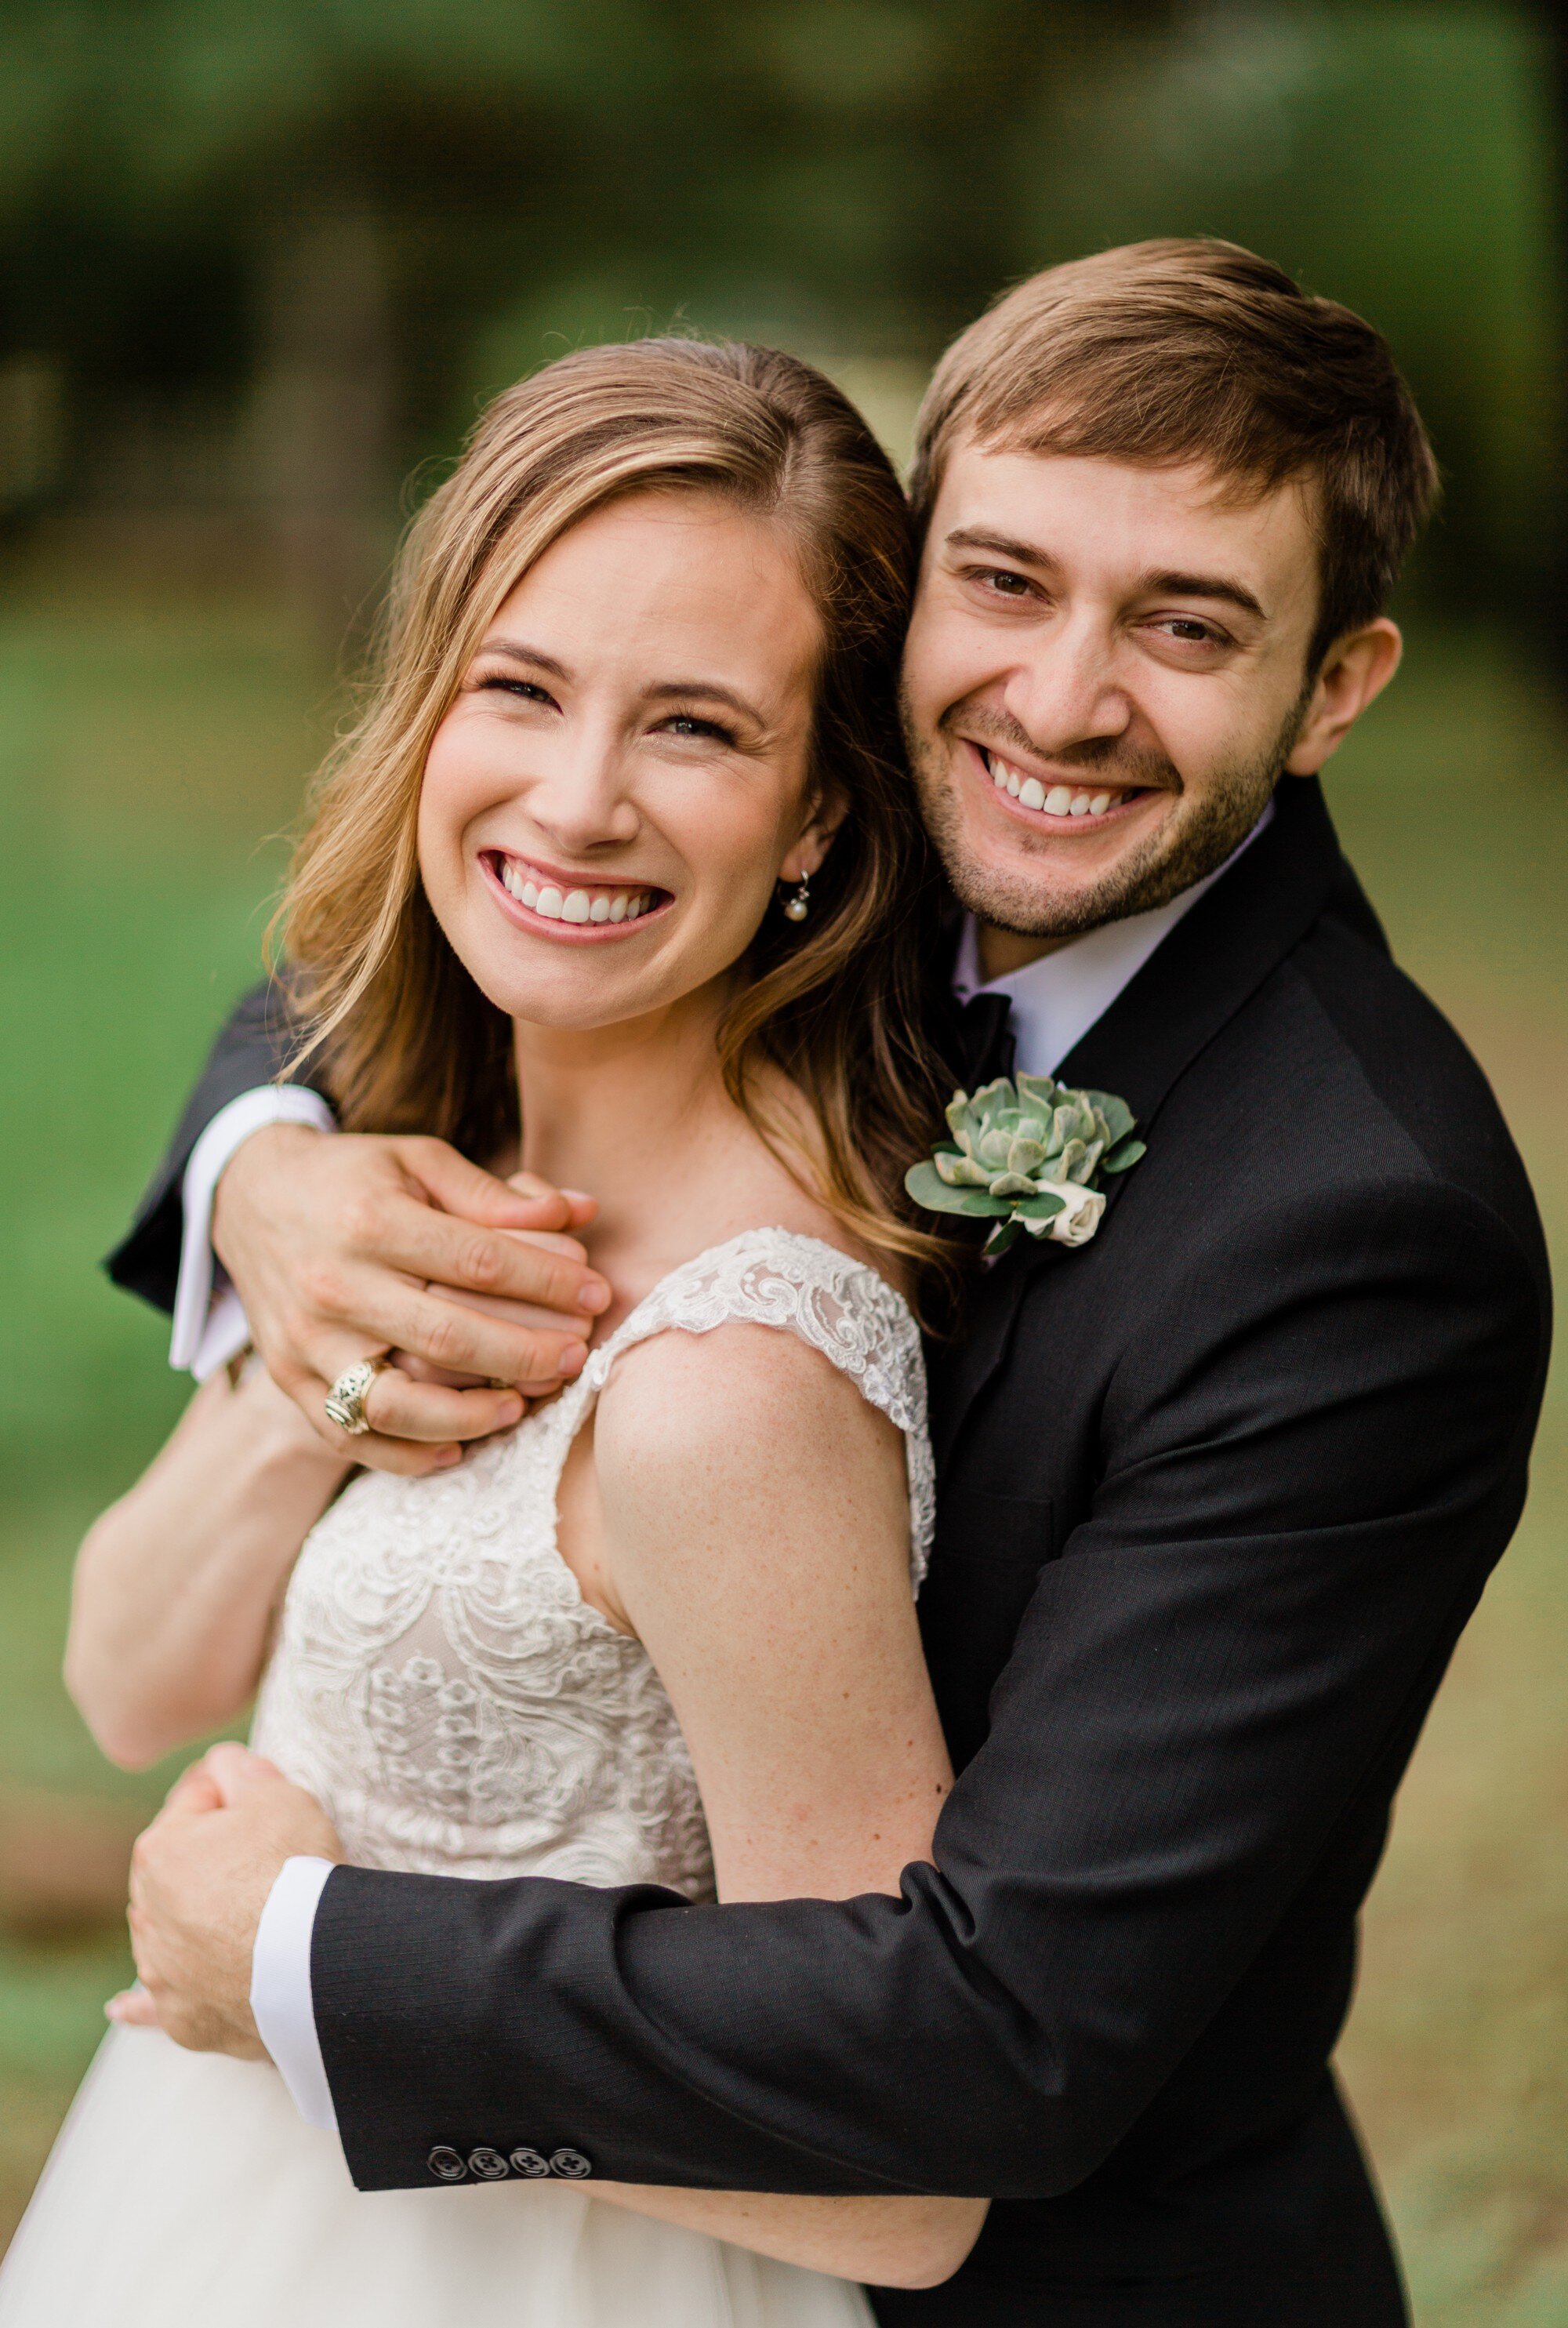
column 1151, row 875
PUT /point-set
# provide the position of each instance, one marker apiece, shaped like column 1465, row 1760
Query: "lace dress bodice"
column 439, row 1682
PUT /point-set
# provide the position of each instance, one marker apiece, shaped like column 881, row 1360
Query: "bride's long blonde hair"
column 410, row 1044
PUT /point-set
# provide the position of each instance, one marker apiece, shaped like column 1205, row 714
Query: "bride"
column 620, row 857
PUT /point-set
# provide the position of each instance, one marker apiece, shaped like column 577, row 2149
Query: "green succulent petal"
column 928, row 1189
column 1119, row 1117
column 1126, row 1153
column 1012, row 1184
column 999, row 1093
column 1025, row 1154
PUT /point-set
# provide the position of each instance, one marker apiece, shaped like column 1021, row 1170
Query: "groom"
column 1218, row 1491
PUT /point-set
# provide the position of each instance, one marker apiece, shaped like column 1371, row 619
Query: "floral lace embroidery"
column 439, row 1681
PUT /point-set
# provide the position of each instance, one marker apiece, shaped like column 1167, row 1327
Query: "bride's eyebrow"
column 518, row 651
column 684, row 690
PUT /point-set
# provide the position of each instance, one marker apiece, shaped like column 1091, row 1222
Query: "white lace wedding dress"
column 441, row 1684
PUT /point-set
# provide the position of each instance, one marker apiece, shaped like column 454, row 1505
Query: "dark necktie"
column 982, row 1040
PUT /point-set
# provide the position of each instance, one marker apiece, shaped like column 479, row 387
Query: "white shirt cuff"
column 280, row 1991
column 210, row 1325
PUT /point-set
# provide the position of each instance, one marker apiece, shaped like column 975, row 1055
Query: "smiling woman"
column 655, row 499
column 639, row 671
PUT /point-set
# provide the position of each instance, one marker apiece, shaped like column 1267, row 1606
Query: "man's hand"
column 336, row 1246
column 199, row 1877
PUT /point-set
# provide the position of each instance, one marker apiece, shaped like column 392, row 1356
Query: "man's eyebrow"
column 1004, row 545
column 1223, row 586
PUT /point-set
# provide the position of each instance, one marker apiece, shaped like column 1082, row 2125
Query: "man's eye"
column 1192, row 632
column 1005, row 582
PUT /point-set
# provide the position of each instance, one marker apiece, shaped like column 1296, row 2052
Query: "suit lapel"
column 1191, row 986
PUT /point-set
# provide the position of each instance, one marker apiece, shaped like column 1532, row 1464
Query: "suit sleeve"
column 252, row 1049
column 1294, row 1519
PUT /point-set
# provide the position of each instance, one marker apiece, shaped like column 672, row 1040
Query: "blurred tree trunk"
column 322, row 416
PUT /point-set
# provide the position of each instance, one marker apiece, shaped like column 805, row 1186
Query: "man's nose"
column 1068, row 691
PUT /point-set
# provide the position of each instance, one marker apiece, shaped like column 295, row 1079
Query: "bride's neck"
column 620, row 1110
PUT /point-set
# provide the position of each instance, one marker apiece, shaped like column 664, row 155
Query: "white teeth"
column 1058, row 801
column 1099, row 804
column 576, row 905
column 1013, row 785
column 1031, row 793
column 1080, row 804
column 999, row 776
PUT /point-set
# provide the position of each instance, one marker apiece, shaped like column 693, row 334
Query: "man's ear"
column 815, row 840
column 1356, row 671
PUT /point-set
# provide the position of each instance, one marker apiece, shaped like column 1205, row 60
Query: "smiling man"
column 1216, row 1493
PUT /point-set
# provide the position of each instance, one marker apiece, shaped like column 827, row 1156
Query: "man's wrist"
column 207, row 1331
column 281, row 2000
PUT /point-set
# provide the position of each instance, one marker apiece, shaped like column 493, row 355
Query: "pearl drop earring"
column 797, row 907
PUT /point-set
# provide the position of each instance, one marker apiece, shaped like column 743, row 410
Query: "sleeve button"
column 570, row 2164
column 488, row 2164
column 530, row 2162
column 446, row 2164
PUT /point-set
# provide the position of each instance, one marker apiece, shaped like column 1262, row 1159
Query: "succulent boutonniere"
column 1027, row 1156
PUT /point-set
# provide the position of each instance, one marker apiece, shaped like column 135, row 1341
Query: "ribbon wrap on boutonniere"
column 1029, row 1155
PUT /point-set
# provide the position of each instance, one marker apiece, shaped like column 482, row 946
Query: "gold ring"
column 345, row 1402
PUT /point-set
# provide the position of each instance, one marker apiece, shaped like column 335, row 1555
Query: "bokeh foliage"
column 850, row 175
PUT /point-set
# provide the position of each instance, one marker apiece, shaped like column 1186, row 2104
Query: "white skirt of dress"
column 185, row 2192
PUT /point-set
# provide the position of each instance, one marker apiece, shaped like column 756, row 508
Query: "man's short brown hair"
column 1193, row 350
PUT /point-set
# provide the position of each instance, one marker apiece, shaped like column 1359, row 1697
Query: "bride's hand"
column 335, row 1246
column 200, row 1878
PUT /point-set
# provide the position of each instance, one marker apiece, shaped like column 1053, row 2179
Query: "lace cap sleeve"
column 860, row 1323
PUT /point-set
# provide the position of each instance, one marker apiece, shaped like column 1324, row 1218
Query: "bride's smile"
column 625, row 776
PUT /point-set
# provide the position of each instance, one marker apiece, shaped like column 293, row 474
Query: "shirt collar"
column 1057, row 999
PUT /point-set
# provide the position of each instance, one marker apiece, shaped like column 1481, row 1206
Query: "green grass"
column 144, row 752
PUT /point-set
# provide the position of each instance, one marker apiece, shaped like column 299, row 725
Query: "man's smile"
column 1054, row 803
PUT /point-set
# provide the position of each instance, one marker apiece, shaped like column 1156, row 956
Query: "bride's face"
column 625, row 773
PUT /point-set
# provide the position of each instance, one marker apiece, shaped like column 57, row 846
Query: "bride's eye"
column 690, row 727
column 523, row 689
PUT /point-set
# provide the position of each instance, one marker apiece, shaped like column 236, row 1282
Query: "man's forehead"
column 1071, row 503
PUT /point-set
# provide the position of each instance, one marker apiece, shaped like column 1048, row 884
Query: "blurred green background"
column 260, row 263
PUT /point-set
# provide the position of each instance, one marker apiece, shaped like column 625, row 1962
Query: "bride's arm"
column 756, row 1536
column 177, row 1582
